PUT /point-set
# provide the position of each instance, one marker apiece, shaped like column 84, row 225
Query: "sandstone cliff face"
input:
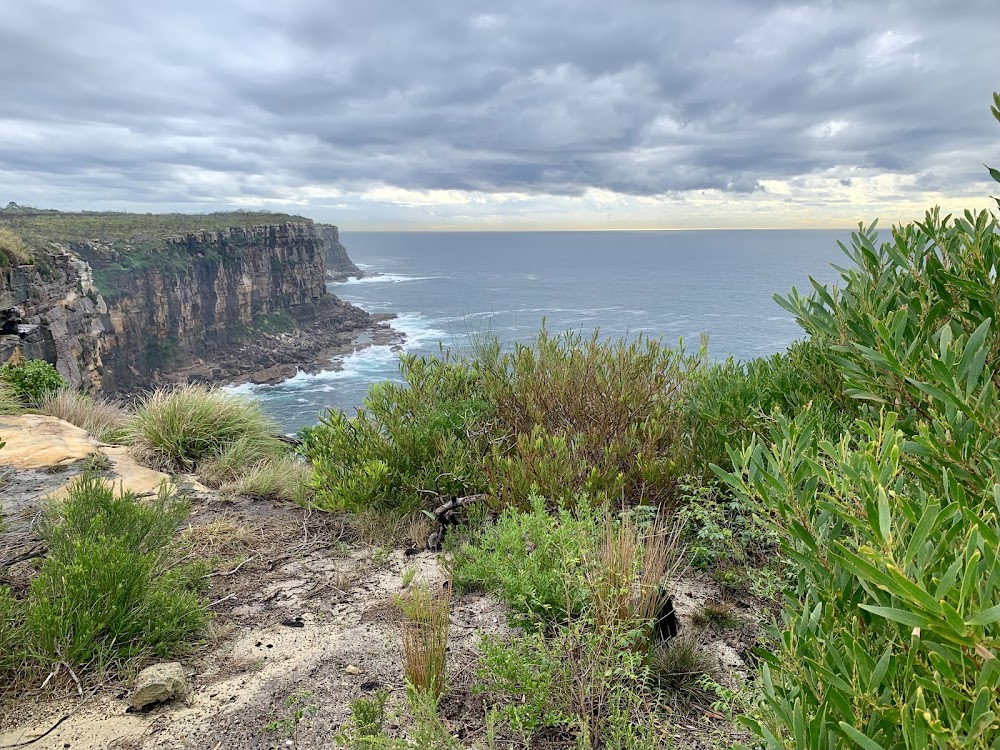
column 338, row 266
column 52, row 311
column 206, row 307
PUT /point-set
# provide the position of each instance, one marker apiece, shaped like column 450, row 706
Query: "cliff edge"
column 119, row 302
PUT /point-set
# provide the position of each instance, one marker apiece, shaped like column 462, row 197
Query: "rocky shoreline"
column 273, row 358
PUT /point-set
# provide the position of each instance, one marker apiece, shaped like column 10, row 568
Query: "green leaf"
column 866, row 742
column 898, row 615
column 986, row 617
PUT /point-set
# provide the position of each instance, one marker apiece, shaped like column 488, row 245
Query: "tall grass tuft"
column 180, row 428
column 632, row 574
column 9, row 402
column 105, row 420
column 425, row 638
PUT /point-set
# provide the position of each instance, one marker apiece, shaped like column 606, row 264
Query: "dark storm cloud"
column 183, row 101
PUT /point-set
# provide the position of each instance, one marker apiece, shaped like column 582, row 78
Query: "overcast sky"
column 525, row 114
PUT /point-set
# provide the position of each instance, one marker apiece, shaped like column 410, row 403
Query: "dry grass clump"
column 633, row 572
column 105, row 420
column 716, row 614
column 279, row 478
column 13, row 251
column 425, row 638
column 679, row 668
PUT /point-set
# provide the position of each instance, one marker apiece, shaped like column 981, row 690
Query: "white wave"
column 371, row 363
column 384, row 278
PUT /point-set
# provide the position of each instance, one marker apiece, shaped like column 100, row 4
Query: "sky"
column 528, row 114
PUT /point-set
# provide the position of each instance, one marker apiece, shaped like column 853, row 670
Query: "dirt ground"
column 303, row 613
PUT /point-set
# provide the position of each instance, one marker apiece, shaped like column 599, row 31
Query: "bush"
column 891, row 633
column 585, row 416
column 730, row 402
column 409, row 447
column 104, row 595
column 105, row 420
column 31, row 380
column 183, row 428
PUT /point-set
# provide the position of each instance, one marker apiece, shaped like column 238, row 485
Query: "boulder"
column 159, row 683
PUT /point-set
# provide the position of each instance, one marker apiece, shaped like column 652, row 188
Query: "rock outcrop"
column 339, row 267
column 218, row 305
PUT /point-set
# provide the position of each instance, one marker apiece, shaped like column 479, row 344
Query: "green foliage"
column 189, row 426
column 891, row 632
column 11, row 636
column 364, row 730
column 298, row 710
column 532, row 560
column 9, row 401
column 587, row 683
column 730, row 402
column 104, row 595
column 579, row 415
column 409, row 446
column 995, row 111
column 31, row 380
column 12, row 250
column 680, row 669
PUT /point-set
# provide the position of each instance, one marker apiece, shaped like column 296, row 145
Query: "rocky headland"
column 121, row 303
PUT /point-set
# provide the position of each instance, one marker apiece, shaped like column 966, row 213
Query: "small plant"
column 97, row 463
column 31, row 380
column 408, row 575
column 9, row 402
column 299, row 709
column 717, row 615
column 368, row 714
column 284, row 478
column 678, row 668
column 425, row 638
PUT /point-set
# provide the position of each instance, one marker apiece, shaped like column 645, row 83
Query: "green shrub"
column 532, row 560
column 105, row 420
column 575, row 415
column 9, row 401
column 11, row 637
column 104, row 595
column 891, row 634
column 31, row 380
column 283, row 478
column 730, row 402
column 411, row 446
column 182, row 428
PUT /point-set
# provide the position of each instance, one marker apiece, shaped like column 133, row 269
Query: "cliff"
column 121, row 314
column 338, row 266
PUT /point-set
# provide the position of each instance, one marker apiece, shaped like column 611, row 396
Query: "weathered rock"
column 158, row 684
column 339, row 267
column 35, row 441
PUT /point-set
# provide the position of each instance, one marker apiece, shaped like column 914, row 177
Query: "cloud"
column 462, row 111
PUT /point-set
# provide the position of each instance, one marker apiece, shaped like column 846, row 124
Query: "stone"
column 158, row 684
column 351, row 669
column 35, row 441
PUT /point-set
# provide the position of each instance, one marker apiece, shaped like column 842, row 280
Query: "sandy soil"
column 280, row 566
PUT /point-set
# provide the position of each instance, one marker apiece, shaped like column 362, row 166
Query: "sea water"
column 447, row 288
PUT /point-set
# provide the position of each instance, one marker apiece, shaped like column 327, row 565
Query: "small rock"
column 351, row 669
column 159, row 683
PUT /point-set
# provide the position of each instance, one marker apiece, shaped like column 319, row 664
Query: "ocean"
column 449, row 287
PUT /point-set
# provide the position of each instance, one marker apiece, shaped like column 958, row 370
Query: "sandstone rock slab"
column 158, row 684
column 35, row 441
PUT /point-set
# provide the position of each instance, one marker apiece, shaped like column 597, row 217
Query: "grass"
column 13, row 251
column 10, row 404
column 284, row 478
column 425, row 638
column 105, row 420
column 678, row 671
column 716, row 615
column 182, row 428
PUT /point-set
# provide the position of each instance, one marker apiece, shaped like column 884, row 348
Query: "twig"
column 79, row 688
column 230, row 572
column 53, row 728
column 220, row 601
